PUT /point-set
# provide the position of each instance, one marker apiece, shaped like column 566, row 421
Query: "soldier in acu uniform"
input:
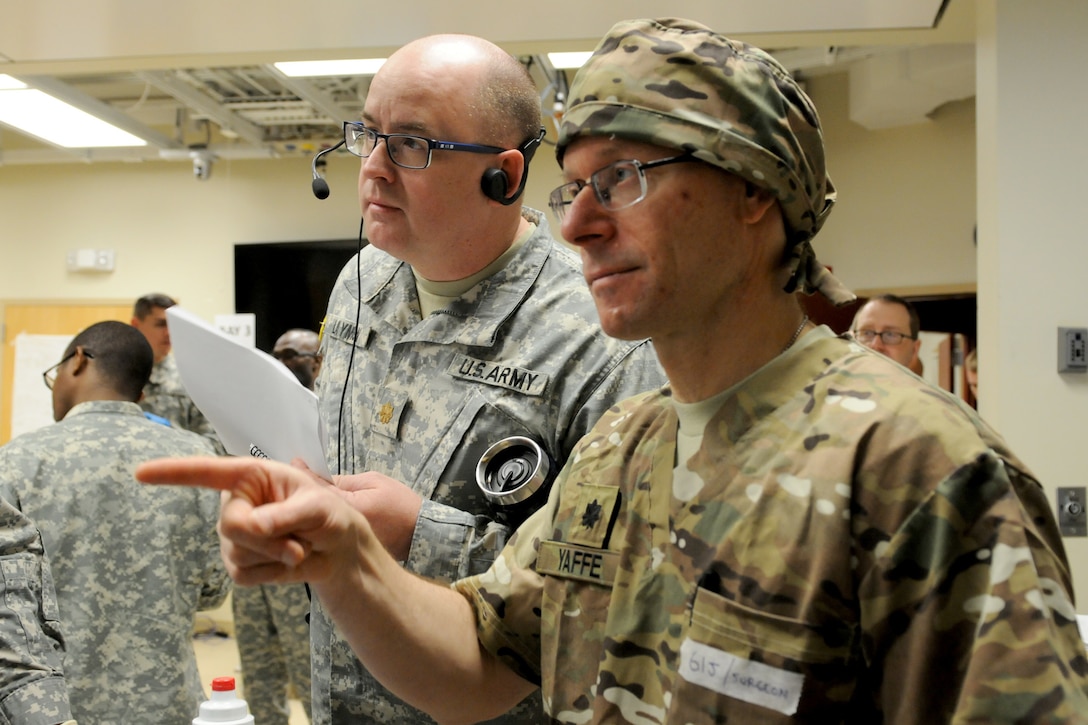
column 795, row 530
column 132, row 565
column 32, row 688
column 463, row 323
column 165, row 395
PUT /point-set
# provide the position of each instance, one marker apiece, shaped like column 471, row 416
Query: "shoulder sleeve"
column 968, row 610
column 32, row 687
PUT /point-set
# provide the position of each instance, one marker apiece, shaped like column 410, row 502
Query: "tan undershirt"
column 437, row 295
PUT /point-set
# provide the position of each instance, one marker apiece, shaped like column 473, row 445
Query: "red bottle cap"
column 222, row 684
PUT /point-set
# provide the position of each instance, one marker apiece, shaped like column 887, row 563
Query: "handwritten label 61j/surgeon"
column 742, row 679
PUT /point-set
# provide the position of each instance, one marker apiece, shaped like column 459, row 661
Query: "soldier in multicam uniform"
column 164, row 394
column 132, row 565
column 797, row 530
column 271, row 620
column 32, row 688
column 461, row 324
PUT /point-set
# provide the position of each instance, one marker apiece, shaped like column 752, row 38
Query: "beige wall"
column 171, row 233
column 906, row 206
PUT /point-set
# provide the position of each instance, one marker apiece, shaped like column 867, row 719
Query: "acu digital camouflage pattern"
column 520, row 354
column 132, row 563
column 846, row 535
column 32, row 688
column 677, row 84
column 270, row 624
column 165, row 396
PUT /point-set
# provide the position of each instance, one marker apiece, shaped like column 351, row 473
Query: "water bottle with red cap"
column 224, row 707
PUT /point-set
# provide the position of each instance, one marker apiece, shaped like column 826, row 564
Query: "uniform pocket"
column 35, row 610
column 756, row 667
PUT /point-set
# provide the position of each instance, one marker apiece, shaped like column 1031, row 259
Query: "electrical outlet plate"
column 1072, row 350
column 1072, row 511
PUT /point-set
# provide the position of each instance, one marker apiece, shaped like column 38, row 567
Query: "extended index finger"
column 221, row 473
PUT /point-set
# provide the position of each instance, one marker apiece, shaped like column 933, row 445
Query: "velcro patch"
column 522, row 381
column 568, row 561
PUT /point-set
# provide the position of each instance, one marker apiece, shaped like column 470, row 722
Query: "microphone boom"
column 319, row 185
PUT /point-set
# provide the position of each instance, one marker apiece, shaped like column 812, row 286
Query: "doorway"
column 287, row 284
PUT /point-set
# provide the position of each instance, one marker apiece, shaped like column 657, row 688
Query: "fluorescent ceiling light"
column 56, row 122
column 346, row 67
column 569, row 60
column 7, row 83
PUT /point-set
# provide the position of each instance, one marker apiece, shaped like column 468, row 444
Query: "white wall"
column 1032, row 157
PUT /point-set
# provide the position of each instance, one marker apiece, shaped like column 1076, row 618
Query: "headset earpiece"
column 496, row 185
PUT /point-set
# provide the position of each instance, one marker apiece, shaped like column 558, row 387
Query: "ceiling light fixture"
column 345, row 67
column 57, row 122
column 7, row 83
column 569, row 60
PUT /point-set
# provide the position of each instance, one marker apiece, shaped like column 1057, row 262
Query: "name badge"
column 741, row 679
column 339, row 328
column 568, row 561
column 498, row 374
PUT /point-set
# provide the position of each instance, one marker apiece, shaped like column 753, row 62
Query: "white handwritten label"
column 741, row 679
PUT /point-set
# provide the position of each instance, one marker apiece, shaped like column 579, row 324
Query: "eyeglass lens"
column 888, row 337
column 50, row 375
column 410, row 152
column 617, row 186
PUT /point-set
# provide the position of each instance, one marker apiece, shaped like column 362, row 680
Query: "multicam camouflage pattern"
column 165, row 396
column 677, row 84
column 521, row 354
column 848, row 545
column 132, row 563
column 270, row 623
column 32, row 688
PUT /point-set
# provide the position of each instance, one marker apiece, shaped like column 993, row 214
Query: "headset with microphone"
column 319, row 185
column 495, row 184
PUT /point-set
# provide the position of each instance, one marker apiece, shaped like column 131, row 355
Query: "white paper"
column 31, row 401
column 242, row 327
column 254, row 402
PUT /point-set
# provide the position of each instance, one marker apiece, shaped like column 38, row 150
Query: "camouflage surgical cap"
column 677, row 84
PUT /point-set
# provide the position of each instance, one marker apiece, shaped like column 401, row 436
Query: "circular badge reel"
column 513, row 475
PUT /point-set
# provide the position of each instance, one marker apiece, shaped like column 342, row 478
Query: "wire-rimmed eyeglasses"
column 617, row 186
column 288, row 355
column 405, row 150
column 49, row 377
column 888, row 337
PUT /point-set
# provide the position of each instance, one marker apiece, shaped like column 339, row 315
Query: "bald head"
column 456, row 214
column 481, row 79
column 297, row 349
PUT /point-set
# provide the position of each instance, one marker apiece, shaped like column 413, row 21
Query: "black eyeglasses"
column 289, row 355
column 405, row 150
column 50, row 376
column 888, row 337
column 617, row 186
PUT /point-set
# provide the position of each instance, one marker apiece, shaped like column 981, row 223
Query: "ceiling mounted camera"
column 202, row 163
